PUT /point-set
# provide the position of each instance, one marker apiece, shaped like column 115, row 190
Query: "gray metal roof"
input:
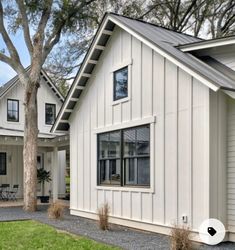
column 164, row 39
column 209, row 42
column 168, row 40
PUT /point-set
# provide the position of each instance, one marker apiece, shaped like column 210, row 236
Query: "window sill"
column 126, row 189
column 16, row 123
column 126, row 99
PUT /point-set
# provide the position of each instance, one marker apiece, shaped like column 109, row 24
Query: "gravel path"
column 119, row 236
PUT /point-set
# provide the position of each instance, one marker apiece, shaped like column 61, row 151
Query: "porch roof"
column 16, row 137
column 17, row 132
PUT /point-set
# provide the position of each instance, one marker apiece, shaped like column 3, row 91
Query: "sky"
column 6, row 72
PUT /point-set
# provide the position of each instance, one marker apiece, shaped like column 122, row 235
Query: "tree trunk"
column 30, row 147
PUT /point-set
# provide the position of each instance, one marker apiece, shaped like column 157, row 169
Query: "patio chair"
column 13, row 192
column 5, row 191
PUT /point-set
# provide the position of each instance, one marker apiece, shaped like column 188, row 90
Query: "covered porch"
column 53, row 150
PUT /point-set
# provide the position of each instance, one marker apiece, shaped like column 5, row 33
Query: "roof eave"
column 152, row 45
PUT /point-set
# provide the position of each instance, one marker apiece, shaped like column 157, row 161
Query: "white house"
column 51, row 151
column 151, row 116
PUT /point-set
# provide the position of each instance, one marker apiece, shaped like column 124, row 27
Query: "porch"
column 52, row 152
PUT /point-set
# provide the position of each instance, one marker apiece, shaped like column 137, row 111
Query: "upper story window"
column 50, row 111
column 124, row 157
column 12, row 110
column 3, row 163
column 120, row 84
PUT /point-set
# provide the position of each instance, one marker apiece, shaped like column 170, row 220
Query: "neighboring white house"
column 51, row 151
column 152, row 128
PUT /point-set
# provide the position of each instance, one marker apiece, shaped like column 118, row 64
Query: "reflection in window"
column 127, row 150
column 109, row 158
column 136, row 156
column 12, row 110
column 120, row 84
column 50, row 114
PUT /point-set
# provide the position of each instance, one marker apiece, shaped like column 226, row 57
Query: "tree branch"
column 6, row 59
column 10, row 46
column 56, row 33
column 25, row 25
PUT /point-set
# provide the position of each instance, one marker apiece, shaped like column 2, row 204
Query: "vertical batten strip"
column 164, row 140
column 177, row 145
column 131, row 77
column 191, row 152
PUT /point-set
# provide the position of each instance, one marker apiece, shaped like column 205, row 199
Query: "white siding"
column 231, row 165
column 180, row 137
column 45, row 95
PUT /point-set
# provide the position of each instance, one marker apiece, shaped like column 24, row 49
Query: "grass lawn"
column 34, row 235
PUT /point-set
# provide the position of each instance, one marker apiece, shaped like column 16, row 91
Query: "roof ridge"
column 153, row 24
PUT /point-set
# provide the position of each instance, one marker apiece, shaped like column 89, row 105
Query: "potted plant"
column 43, row 176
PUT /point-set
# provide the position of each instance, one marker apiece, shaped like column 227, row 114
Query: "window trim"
column 4, row 152
column 18, row 110
column 127, row 63
column 115, row 83
column 148, row 120
column 122, row 187
column 52, row 104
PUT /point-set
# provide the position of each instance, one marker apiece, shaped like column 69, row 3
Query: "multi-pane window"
column 12, row 110
column 120, row 84
column 3, row 163
column 124, row 157
column 50, row 111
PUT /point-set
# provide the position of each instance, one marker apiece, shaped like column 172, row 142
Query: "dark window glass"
column 3, row 163
column 136, row 143
column 120, row 88
column 129, row 150
column 109, row 158
column 50, row 113
column 12, row 110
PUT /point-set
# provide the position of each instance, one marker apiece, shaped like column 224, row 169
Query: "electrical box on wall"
column 185, row 218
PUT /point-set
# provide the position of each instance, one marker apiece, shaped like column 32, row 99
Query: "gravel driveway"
column 119, row 236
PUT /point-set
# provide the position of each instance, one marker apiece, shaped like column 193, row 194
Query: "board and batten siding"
column 231, row 164
column 45, row 95
column 179, row 138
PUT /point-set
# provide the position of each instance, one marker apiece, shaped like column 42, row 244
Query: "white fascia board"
column 167, row 56
column 142, row 39
column 52, row 84
column 75, row 83
column 206, row 45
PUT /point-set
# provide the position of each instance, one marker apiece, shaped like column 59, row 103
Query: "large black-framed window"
column 120, row 83
column 12, row 110
column 124, row 157
column 3, row 163
column 50, row 113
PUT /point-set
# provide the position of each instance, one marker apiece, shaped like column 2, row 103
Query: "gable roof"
column 207, row 44
column 161, row 40
column 4, row 89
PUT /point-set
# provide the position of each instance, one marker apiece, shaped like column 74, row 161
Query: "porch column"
column 55, row 174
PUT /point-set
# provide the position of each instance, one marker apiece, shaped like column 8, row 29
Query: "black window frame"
column 122, row 159
column 114, row 84
column 4, row 171
column 50, row 104
column 17, row 111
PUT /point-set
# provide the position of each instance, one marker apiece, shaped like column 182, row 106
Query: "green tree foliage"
column 203, row 18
